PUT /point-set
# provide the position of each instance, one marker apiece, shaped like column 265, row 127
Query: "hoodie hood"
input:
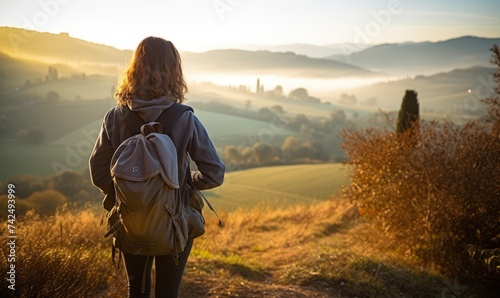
column 151, row 109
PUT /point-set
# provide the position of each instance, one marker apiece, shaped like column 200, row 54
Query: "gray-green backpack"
column 149, row 216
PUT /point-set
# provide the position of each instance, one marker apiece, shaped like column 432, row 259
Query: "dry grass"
column 64, row 255
column 317, row 250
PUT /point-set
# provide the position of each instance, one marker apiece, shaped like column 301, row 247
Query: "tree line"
column 45, row 195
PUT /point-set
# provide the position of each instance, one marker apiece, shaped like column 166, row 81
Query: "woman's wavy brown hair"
column 154, row 71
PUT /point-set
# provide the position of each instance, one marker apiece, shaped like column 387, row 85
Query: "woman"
column 152, row 83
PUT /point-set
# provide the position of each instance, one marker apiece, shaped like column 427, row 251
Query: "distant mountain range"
column 313, row 51
column 265, row 62
column 27, row 54
column 423, row 57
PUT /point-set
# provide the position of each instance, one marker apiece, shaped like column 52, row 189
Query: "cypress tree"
column 409, row 112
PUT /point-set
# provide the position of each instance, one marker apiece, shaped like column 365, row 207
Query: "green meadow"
column 71, row 127
column 283, row 185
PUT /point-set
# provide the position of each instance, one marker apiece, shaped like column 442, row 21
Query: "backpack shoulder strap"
column 170, row 115
column 133, row 122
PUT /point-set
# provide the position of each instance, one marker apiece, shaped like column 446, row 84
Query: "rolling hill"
column 446, row 92
column 70, row 129
column 54, row 48
column 282, row 185
column 424, row 57
column 13, row 72
column 262, row 62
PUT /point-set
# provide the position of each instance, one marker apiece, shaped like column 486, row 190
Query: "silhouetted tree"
column 409, row 112
column 299, row 94
column 278, row 91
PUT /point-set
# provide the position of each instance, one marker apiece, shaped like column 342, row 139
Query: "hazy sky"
column 198, row 25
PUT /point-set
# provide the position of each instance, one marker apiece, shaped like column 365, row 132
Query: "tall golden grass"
column 64, row 255
column 316, row 250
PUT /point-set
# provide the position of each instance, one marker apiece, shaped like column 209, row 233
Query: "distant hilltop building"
column 259, row 88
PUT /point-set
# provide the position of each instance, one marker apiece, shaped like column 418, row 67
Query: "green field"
column 71, row 128
column 279, row 185
column 56, row 120
column 90, row 87
column 232, row 130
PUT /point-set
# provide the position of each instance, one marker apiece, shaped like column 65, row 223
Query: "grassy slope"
column 14, row 72
column 319, row 250
column 92, row 87
column 442, row 92
column 233, row 130
column 238, row 99
column 287, row 185
column 57, row 47
column 67, row 126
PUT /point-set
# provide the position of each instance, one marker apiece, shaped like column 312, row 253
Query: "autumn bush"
column 434, row 193
column 45, row 194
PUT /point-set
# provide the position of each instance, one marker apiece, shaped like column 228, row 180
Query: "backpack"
column 150, row 216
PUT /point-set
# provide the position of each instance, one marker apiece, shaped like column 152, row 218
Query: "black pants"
column 168, row 275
